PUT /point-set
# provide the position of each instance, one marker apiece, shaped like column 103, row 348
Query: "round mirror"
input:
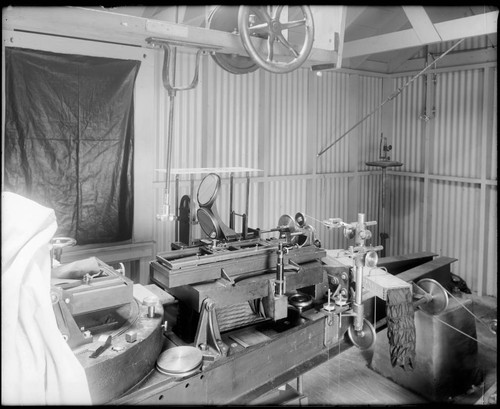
column 207, row 191
column 208, row 223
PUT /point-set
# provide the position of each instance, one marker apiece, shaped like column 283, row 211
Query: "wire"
column 469, row 311
column 392, row 96
column 463, row 333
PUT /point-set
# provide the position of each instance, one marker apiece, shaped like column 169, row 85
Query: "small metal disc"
column 439, row 296
column 365, row 338
column 300, row 300
column 179, row 361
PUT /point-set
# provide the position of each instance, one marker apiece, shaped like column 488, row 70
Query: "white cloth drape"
column 38, row 367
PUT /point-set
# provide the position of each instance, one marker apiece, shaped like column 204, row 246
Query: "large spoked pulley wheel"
column 279, row 38
column 225, row 18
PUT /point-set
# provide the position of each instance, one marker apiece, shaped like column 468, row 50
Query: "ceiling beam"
column 401, row 58
column 473, row 26
column 422, row 24
column 353, row 12
column 386, row 23
column 459, row 58
column 98, row 25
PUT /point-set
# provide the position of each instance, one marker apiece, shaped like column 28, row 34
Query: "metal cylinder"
column 151, row 311
column 358, row 300
column 280, row 271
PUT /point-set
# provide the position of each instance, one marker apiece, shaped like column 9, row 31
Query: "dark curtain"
column 69, row 139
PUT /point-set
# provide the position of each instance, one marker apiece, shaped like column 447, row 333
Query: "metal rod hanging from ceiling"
column 392, row 96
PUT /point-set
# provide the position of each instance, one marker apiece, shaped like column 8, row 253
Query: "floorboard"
column 346, row 379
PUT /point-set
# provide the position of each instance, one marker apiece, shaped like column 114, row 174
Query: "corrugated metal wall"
column 278, row 123
column 443, row 202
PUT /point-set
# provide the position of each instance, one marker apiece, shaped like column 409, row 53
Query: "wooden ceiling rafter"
column 456, row 29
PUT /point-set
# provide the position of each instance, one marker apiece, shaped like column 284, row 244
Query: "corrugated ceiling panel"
column 286, row 97
column 453, row 231
column 332, row 119
column 457, row 124
column 330, row 201
column 407, row 140
column 186, row 137
column 233, row 110
column 188, row 109
column 405, row 217
column 471, row 43
column 284, row 197
column 492, row 171
column 370, row 95
column 489, row 285
column 369, row 202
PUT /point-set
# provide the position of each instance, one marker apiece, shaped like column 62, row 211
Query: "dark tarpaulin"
column 401, row 328
column 69, row 137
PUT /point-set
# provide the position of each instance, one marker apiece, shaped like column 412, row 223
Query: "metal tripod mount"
column 361, row 332
column 168, row 84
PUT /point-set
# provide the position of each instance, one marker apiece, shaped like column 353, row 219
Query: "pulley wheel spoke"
column 277, row 13
column 270, row 47
column 284, row 41
column 262, row 14
column 259, row 28
column 292, row 24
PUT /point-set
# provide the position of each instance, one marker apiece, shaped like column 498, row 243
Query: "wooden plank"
column 455, row 59
column 397, row 264
column 449, row 30
column 472, row 26
column 436, row 268
column 106, row 26
column 353, row 12
column 401, row 58
column 222, row 293
column 422, row 24
column 347, row 379
column 124, row 252
column 243, row 376
column 485, row 132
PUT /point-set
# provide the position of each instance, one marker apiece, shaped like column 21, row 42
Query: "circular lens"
column 371, row 259
column 207, row 191
column 208, row 223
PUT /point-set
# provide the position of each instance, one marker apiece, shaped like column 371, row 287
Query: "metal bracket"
column 208, row 337
column 166, row 45
column 331, row 329
column 226, row 277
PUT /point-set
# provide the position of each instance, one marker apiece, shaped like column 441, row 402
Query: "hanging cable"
column 469, row 311
column 463, row 333
column 392, row 96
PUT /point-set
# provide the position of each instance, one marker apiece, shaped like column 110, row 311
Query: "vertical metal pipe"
column 358, row 265
column 168, row 159
column 231, row 194
column 247, row 194
column 300, row 387
column 177, row 207
column 383, row 234
column 192, row 216
column 247, row 206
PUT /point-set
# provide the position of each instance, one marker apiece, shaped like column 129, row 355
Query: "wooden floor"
column 346, row 379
